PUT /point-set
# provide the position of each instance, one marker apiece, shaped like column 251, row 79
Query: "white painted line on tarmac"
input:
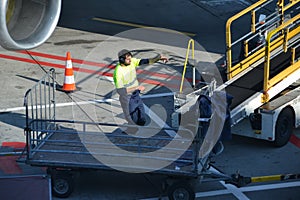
column 239, row 192
column 262, row 187
column 250, row 189
column 232, row 188
column 235, row 191
column 212, row 193
column 161, row 123
column 111, row 79
column 145, row 96
column 270, row 186
column 4, row 110
column 242, row 189
column 57, row 105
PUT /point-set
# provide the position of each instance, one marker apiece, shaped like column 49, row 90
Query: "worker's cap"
column 124, row 52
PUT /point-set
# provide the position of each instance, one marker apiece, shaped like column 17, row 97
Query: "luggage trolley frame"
column 63, row 150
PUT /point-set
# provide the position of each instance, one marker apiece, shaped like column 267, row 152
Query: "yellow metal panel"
column 293, row 55
column 253, row 28
column 285, row 40
column 265, row 178
column 246, row 44
column 267, row 82
column 285, row 73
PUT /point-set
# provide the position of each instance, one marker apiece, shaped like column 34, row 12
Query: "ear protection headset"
column 122, row 55
column 122, row 59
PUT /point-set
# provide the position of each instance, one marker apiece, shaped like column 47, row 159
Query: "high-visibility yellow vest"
column 125, row 76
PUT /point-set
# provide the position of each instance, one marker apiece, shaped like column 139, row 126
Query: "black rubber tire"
column 284, row 127
column 62, row 185
column 181, row 190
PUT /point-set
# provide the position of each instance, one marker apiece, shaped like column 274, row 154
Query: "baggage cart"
column 66, row 147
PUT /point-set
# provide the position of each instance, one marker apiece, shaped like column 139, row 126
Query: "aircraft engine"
column 26, row 24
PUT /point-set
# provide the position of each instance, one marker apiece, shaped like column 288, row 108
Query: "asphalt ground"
column 87, row 34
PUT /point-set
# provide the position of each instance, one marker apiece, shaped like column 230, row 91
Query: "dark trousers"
column 136, row 108
column 133, row 107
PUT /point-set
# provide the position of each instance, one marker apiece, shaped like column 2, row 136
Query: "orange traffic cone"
column 69, row 82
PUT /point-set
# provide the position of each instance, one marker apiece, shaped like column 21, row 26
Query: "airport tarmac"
column 94, row 82
column 93, row 64
column 93, row 58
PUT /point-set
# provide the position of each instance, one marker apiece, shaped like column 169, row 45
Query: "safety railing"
column 191, row 46
column 39, row 102
column 288, row 31
column 258, row 30
column 283, row 8
column 77, row 147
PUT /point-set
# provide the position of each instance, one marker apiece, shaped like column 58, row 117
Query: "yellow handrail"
column 282, row 7
column 191, row 42
column 259, row 54
column 228, row 32
column 234, row 70
column 268, row 83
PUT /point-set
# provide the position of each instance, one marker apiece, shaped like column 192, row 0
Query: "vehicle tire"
column 284, row 127
column 62, row 185
column 181, row 190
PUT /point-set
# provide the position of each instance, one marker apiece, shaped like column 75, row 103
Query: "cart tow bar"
column 240, row 181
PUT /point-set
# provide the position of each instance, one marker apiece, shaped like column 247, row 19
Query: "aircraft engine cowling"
column 26, row 24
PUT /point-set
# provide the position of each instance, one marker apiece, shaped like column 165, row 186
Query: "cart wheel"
column 181, row 190
column 62, row 185
column 284, row 127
